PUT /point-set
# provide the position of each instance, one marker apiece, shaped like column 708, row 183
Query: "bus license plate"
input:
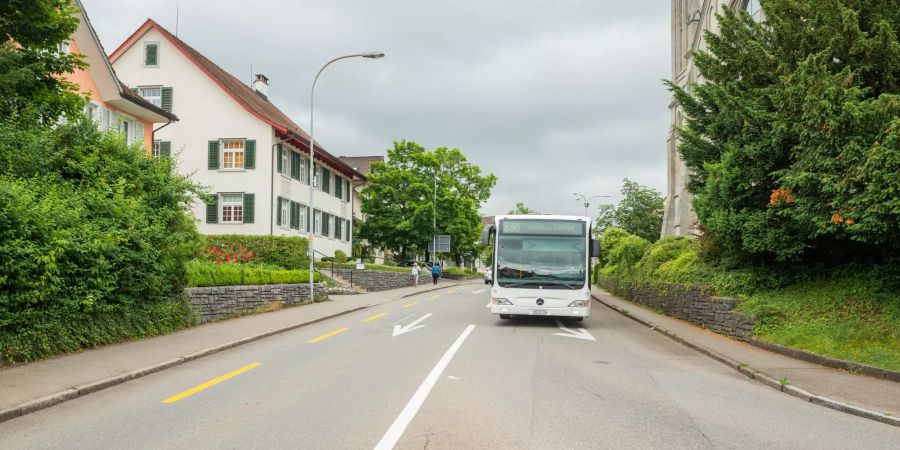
column 539, row 312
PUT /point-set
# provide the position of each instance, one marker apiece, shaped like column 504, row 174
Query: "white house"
column 232, row 140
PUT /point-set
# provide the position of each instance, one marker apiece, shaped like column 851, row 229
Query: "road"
column 458, row 378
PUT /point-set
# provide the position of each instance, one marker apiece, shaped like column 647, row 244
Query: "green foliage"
column 92, row 233
column 522, row 209
column 288, row 252
column 324, row 266
column 340, row 256
column 640, row 212
column 793, row 139
column 31, row 82
column 458, row 271
column 853, row 316
column 205, row 273
column 608, row 240
column 399, row 201
column 627, row 252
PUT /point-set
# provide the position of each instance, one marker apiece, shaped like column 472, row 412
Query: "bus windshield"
column 551, row 261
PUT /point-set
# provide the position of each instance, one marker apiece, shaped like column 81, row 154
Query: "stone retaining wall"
column 378, row 280
column 693, row 303
column 220, row 302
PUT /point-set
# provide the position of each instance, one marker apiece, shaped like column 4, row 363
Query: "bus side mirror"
column 486, row 235
column 595, row 248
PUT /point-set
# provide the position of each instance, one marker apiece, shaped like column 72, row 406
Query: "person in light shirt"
column 415, row 273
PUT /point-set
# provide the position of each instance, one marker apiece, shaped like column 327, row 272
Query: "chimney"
column 261, row 85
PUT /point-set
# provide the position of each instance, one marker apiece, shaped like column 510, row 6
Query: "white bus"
column 541, row 265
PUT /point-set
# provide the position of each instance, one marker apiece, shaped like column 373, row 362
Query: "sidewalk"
column 803, row 378
column 30, row 387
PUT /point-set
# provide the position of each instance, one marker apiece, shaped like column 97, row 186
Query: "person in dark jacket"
column 435, row 272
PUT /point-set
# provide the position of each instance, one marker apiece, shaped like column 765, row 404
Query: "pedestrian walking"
column 415, row 273
column 435, row 271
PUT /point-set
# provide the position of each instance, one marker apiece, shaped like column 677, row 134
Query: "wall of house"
column 206, row 112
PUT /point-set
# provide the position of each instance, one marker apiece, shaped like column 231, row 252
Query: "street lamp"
column 586, row 200
column 312, row 159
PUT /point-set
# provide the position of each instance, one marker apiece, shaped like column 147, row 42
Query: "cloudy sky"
column 552, row 96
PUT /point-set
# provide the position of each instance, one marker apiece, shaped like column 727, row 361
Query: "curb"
column 760, row 376
column 79, row 391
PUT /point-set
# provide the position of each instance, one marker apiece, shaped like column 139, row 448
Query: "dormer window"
column 151, row 54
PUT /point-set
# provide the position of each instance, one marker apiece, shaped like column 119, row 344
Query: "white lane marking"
column 478, row 291
column 398, row 330
column 389, row 440
column 451, row 377
column 580, row 334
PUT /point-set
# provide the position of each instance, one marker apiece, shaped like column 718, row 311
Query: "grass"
column 853, row 317
column 204, row 273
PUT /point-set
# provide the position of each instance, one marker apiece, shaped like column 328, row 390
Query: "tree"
column 793, row 139
column 522, row 209
column 640, row 212
column 30, row 63
column 399, row 201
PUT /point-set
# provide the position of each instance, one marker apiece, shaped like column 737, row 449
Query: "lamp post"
column 587, row 200
column 312, row 159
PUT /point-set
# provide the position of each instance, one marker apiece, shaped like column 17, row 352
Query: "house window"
column 151, row 54
column 90, row 111
column 232, row 209
column 152, row 95
column 125, row 128
column 303, row 210
column 285, row 162
column 754, row 9
column 317, row 225
column 64, row 48
column 233, row 154
column 326, row 224
column 284, row 210
column 304, row 176
column 156, row 148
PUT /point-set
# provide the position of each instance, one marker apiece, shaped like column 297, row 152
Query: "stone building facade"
column 690, row 19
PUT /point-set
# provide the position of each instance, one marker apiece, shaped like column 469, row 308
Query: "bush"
column 202, row 273
column 340, row 256
column 351, row 265
column 94, row 236
column 665, row 252
column 608, row 240
column 458, row 271
column 627, row 252
column 288, row 252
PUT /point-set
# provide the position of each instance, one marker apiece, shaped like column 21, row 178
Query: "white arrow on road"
column 398, row 330
column 580, row 334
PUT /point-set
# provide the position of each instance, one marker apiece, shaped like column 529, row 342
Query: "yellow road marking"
column 409, row 304
column 434, row 296
column 210, row 383
column 376, row 317
column 328, row 335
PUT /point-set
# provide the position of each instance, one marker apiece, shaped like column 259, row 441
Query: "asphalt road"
column 463, row 380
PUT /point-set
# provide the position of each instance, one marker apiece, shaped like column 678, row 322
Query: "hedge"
column 324, row 265
column 204, row 273
column 288, row 252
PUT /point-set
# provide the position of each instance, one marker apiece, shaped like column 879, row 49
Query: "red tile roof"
column 254, row 103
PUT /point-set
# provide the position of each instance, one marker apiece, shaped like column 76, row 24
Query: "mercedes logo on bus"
column 540, row 301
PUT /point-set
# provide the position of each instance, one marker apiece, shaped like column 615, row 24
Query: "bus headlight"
column 579, row 304
column 500, row 301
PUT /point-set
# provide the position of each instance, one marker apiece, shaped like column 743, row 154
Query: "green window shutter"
column 212, row 210
column 308, row 219
column 295, row 215
column 347, row 191
column 165, row 148
column 295, row 165
column 278, row 211
column 166, row 102
column 250, row 154
column 213, row 155
column 280, row 154
column 249, row 203
column 338, row 187
column 326, row 180
column 151, row 55
column 349, row 228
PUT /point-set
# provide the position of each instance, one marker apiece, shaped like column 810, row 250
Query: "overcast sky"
column 552, row 96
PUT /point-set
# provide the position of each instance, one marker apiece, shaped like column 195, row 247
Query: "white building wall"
column 206, row 112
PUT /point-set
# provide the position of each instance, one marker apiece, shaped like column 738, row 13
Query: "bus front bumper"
column 538, row 311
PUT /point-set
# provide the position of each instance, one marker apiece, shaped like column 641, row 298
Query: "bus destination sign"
column 542, row 227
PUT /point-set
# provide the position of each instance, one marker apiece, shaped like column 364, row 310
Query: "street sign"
column 443, row 244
